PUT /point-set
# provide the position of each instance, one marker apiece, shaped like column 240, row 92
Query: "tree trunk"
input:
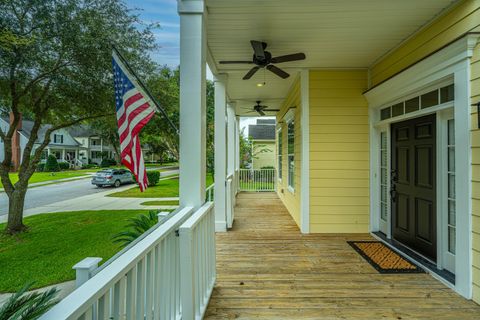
column 15, row 210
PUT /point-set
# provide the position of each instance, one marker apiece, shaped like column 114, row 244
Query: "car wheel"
column 98, row 185
column 117, row 183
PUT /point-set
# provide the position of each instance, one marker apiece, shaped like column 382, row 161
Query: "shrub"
column 52, row 164
column 137, row 227
column 89, row 166
column 41, row 167
column 25, row 305
column 62, row 165
column 106, row 162
column 153, row 177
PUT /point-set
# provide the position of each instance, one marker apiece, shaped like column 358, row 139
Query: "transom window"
column 426, row 100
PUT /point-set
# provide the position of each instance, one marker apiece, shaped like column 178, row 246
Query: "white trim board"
column 305, row 152
column 452, row 62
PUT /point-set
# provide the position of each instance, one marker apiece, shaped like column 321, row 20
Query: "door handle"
column 393, row 194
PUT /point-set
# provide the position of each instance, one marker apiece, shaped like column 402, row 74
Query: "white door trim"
column 452, row 61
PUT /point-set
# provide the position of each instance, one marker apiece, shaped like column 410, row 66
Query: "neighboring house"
column 62, row 144
column 92, row 147
column 262, row 136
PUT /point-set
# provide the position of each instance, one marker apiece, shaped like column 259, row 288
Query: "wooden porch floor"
column 268, row 270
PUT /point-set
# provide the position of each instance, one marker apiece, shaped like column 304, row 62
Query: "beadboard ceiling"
column 332, row 34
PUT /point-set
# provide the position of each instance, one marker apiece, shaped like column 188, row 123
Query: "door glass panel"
column 383, row 176
column 451, row 221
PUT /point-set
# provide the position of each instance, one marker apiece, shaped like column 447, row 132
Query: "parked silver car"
column 112, row 177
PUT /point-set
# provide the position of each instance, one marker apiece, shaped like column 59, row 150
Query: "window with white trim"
column 291, row 153
column 279, row 153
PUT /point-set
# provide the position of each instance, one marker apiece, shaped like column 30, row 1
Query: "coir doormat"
column 384, row 259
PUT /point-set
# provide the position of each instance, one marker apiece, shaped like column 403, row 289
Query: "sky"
column 167, row 36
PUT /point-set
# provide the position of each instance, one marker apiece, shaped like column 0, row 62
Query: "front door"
column 413, row 185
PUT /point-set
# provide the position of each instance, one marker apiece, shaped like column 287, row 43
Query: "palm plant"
column 28, row 306
column 138, row 226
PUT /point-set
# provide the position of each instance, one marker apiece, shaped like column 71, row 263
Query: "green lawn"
column 255, row 186
column 164, row 189
column 50, row 176
column 167, row 164
column 55, row 242
column 161, row 203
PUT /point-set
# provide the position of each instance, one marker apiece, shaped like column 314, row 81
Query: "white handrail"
column 259, row 180
column 210, row 192
column 135, row 284
column 197, row 250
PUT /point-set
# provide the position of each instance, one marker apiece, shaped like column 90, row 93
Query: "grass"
column 168, row 164
column 49, row 176
column 161, row 203
column 164, row 189
column 55, row 242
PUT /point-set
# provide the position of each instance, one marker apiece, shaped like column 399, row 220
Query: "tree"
column 210, row 127
column 55, row 68
column 158, row 133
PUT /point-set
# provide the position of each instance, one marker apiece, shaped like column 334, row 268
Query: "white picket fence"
column 157, row 278
column 260, row 180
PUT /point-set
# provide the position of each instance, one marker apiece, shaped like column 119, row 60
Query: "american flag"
column 134, row 110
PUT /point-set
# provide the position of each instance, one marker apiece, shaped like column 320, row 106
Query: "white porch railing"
column 256, row 180
column 209, row 192
column 197, row 250
column 147, row 281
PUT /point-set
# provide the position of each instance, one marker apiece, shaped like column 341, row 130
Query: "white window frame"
column 451, row 62
column 279, row 154
column 290, row 174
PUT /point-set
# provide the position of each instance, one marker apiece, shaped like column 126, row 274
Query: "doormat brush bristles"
column 384, row 259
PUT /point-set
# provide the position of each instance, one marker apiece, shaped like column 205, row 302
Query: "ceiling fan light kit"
column 263, row 59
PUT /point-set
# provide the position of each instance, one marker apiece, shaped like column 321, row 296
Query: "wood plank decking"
column 268, row 270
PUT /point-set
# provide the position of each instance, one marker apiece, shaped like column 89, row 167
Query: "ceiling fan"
column 264, row 59
column 260, row 109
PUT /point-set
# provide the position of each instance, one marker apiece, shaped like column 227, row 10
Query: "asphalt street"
column 52, row 193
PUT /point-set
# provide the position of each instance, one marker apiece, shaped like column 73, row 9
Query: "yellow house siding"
column 339, row 152
column 475, row 91
column 291, row 200
column 463, row 18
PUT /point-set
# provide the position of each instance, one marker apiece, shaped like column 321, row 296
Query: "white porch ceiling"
column 332, row 34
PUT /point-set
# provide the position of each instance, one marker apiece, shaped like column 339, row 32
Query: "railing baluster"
column 149, row 285
column 140, row 312
column 130, row 293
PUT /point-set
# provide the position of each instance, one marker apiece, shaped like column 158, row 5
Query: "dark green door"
column 413, row 186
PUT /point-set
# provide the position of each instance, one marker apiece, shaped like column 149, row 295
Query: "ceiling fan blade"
column 273, row 110
column 250, row 73
column 289, row 57
column 261, row 112
column 235, row 62
column 258, row 48
column 279, row 72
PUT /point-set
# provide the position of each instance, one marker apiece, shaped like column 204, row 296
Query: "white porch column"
column 237, row 153
column 220, row 153
column 231, row 138
column 63, row 154
column 192, row 102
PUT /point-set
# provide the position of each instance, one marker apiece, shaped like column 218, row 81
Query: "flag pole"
column 144, row 87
